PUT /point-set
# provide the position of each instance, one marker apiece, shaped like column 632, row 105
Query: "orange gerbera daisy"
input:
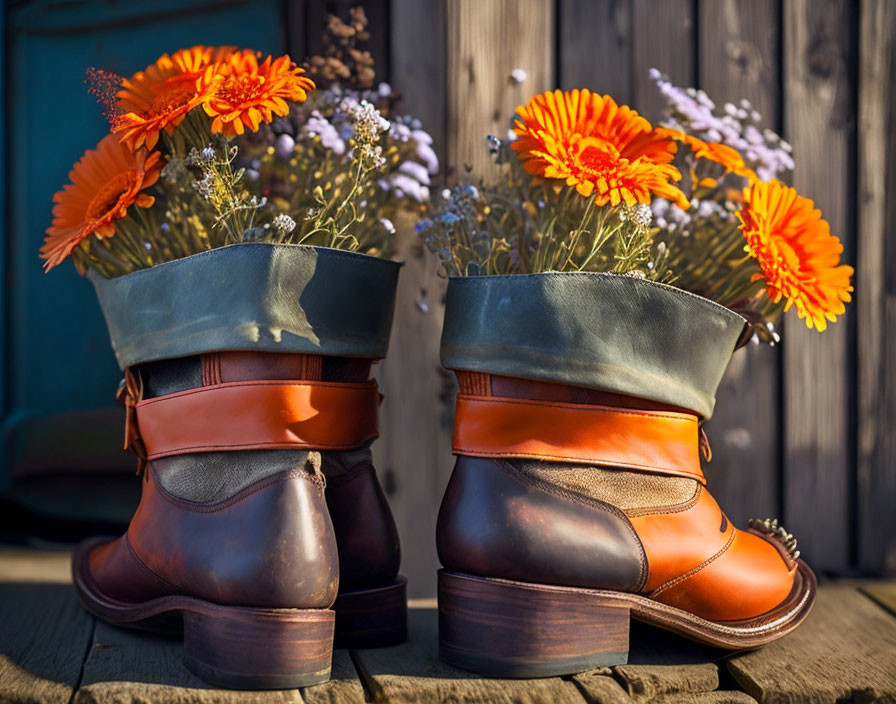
column 798, row 255
column 105, row 182
column 161, row 96
column 239, row 92
column 720, row 153
column 597, row 146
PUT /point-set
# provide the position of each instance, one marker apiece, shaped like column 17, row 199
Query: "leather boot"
column 233, row 536
column 578, row 499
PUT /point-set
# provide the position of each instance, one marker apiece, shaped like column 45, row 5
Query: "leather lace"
column 130, row 393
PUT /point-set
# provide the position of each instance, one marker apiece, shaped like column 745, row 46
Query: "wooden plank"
column 739, row 39
column 414, row 452
column 884, row 593
column 845, row 651
column 595, row 48
column 663, row 38
column 126, row 666
column 876, row 289
column 819, row 124
column 412, row 672
column 487, row 41
column 44, row 631
column 344, row 686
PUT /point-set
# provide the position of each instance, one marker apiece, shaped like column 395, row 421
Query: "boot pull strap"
column 662, row 442
column 251, row 415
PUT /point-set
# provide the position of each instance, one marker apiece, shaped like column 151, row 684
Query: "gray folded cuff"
column 602, row 331
column 252, row 297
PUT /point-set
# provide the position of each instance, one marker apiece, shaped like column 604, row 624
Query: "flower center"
column 241, row 89
column 597, row 157
column 177, row 94
column 108, row 197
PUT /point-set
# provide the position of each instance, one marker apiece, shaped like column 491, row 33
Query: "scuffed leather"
column 270, row 546
column 603, row 331
column 494, row 522
column 369, row 552
column 254, row 297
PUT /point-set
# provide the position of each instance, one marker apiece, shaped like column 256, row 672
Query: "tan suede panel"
column 624, row 489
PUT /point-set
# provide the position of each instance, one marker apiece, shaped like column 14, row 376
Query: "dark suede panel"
column 608, row 332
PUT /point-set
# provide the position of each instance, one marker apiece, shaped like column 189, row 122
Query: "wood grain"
column 739, row 40
column 595, row 47
column 884, row 593
column 662, row 38
column 876, row 289
column 44, row 632
column 487, row 41
column 845, row 651
column 414, row 453
column 819, row 124
column 413, row 673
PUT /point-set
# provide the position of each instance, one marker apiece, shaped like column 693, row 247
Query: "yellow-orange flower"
column 798, row 255
column 240, row 93
column 105, row 182
column 596, row 146
column 720, row 153
column 161, row 96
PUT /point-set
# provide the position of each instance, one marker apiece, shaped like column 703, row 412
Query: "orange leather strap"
column 250, row 415
column 657, row 441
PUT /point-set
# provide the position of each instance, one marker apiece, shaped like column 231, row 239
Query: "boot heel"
column 516, row 629
column 372, row 618
column 246, row 648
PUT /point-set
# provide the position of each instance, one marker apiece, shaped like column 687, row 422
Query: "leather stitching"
column 548, row 488
column 583, row 408
column 582, row 460
column 149, row 570
column 661, row 510
column 690, row 573
column 354, row 386
column 239, row 496
column 297, row 445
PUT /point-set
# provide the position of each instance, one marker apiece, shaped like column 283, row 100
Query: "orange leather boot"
column 573, row 507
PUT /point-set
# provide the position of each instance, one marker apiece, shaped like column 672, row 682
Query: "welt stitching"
column 541, row 485
column 690, row 573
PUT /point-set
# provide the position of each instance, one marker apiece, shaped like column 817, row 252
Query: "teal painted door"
column 57, row 411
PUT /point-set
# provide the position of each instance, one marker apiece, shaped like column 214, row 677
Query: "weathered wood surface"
column 52, row 650
column 741, row 38
column 819, row 123
column 416, row 405
column 487, row 41
column 845, row 651
column 876, row 288
column 663, row 38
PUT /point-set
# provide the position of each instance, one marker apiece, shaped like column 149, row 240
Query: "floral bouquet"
column 211, row 146
column 699, row 203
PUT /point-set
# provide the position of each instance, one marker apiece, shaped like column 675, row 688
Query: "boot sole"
column 375, row 617
column 510, row 629
column 236, row 647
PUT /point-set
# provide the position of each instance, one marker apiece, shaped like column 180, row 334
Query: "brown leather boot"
column 233, row 536
column 574, row 507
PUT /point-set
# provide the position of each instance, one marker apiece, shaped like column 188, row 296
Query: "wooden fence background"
column 805, row 431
